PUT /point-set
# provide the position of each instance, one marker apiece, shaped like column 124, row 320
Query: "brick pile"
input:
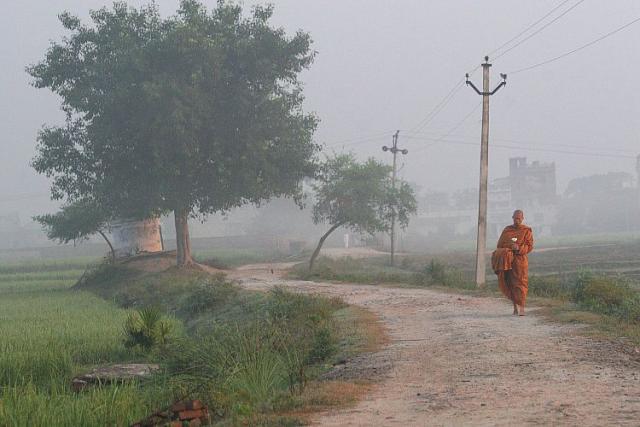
column 191, row 413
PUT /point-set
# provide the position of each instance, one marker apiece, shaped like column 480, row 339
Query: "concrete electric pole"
column 394, row 150
column 484, row 170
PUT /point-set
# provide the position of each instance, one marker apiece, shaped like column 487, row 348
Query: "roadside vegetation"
column 254, row 358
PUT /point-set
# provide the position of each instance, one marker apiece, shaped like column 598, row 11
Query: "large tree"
column 192, row 114
column 360, row 197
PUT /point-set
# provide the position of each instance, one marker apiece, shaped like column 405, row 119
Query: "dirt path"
column 461, row 360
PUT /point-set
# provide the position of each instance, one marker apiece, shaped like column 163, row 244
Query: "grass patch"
column 230, row 258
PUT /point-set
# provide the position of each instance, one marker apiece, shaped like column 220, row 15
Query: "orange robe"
column 514, row 282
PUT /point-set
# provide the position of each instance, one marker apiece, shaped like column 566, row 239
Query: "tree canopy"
column 360, row 197
column 192, row 114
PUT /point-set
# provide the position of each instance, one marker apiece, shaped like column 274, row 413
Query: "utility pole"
column 484, row 170
column 394, row 150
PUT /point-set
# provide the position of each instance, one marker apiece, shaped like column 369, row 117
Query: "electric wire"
column 360, row 139
column 550, row 150
column 528, row 28
column 584, row 46
column 539, row 30
column 449, row 96
column 439, row 107
column 449, row 132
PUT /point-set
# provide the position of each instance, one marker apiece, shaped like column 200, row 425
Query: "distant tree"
column 194, row 114
column 77, row 221
column 599, row 203
column 359, row 196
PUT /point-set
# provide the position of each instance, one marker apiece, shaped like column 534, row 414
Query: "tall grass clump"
column 273, row 346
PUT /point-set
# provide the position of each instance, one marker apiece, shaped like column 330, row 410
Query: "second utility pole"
column 481, row 242
column 394, row 150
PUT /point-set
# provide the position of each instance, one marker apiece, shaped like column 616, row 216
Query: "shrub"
column 208, row 295
column 608, row 295
column 551, row 287
column 146, row 329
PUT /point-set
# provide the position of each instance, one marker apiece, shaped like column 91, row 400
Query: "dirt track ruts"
column 464, row 360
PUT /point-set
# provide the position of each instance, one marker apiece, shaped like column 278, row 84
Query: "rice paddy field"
column 50, row 333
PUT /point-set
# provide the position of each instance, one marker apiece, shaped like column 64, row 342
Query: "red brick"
column 189, row 415
column 194, row 404
column 178, row 407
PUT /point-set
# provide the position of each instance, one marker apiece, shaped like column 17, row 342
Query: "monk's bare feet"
column 521, row 310
column 515, row 310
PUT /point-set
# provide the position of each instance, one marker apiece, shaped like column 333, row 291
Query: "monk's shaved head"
column 518, row 217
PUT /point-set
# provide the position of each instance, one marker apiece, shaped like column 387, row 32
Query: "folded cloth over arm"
column 501, row 260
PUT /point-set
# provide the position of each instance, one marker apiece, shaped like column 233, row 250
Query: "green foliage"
column 196, row 113
column 242, row 361
column 612, row 296
column 551, row 287
column 360, row 196
column 146, row 328
column 74, row 222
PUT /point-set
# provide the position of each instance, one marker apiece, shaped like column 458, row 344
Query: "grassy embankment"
column 597, row 285
column 254, row 358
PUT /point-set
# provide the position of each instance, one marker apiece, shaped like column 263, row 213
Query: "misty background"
column 386, row 65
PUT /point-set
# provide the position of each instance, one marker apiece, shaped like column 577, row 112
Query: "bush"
column 608, row 296
column 437, row 273
column 146, row 329
column 551, row 287
column 208, row 295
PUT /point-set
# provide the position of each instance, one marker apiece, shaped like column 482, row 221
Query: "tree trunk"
column 320, row 243
column 183, row 243
column 113, row 252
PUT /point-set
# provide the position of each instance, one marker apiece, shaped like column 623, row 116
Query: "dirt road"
column 460, row 360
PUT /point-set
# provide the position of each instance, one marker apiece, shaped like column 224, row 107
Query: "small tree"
column 77, row 221
column 359, row 196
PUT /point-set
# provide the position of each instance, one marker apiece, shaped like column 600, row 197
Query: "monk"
column 511, row 264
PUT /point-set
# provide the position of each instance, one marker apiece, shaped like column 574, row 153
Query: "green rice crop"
column 45, row 334
column 114, row 405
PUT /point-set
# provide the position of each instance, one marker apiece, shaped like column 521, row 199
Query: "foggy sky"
column 384, row 65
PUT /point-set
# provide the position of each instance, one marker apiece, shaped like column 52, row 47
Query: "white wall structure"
column 132, row 237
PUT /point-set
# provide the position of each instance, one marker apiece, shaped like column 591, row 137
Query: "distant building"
column 529, row 186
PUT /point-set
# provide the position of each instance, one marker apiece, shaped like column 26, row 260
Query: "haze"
column 385, row 65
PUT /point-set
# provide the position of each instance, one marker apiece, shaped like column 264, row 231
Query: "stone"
column 114, row 374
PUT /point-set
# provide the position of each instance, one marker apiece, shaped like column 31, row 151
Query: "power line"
column 440, row 106
column 434, row 112
column 528, row 28
column 539, row 30
column 450, row 131
column 537, row 142
column 582, row 153
column 591, row 43
column 360, row 139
